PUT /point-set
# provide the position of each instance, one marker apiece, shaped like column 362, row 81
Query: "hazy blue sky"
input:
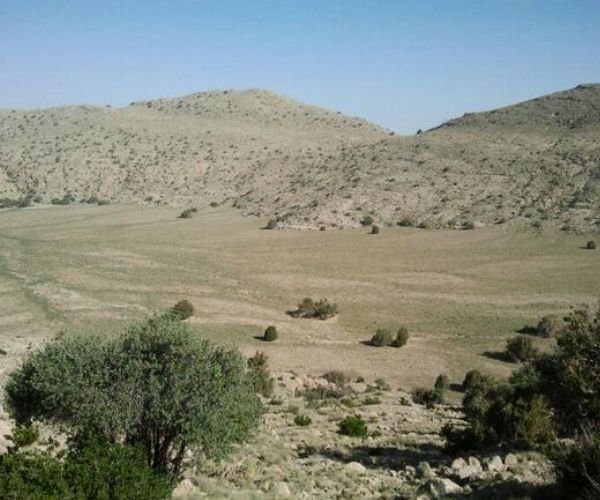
column 403, row 64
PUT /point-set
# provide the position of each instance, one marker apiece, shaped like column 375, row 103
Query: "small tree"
column 353, row 426
column 270, row 334
column 367, row 220
column 382, row 337
column 442, row 384
column 272, row 224
column 401, row 337
column 590, row 245
column 375, row 229
column 520, row 349
column 182, row 310
column 260, row 377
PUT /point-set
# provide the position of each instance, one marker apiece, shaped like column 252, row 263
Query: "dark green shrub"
column 578, row 466
column 468, row 225
column 156, row 384
column 375, row 229
column 260, row 377
column 322, row 309
column 270, row 334
column 474, row 379
column 372, row 400
column 272, row 224
column 182, row 310
column 401, row 337
column 382, row 337
column 353, row 426
column 188, row 213
column 214, row 204
column 382, row 385
column 590, row 245
column 302, row 420
column 24, row 435
column 548, row 326
column 520, row 349
column 406, row 222
column 442, row 384
column 367, row 220
column 3, row 352
column 427, row 397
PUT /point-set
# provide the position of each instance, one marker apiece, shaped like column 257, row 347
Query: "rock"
column 494, row 464
column 458, row 464
column 410, row 470
column 510, row 460
column 184, row 489
column 281, row 490
column 354, row 469
column 425, row 470
column 475, row 463
column 442, row 487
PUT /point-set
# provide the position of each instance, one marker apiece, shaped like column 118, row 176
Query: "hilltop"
column 538, row 161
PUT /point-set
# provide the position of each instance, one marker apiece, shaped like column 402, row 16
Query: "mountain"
column 537, row 161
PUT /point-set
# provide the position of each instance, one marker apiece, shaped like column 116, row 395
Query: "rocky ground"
column 402, row 456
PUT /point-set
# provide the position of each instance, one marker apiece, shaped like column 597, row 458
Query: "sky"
column 402, row 64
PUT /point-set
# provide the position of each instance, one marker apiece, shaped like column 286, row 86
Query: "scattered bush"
column 548, row 326
column 382, row 385
column 322, row 309
column 474, row 379
column 24, row 435
column 401, row 337
column 442, row 384
column 302, row 420
column 406, row 222
column 372, row 400
column 375, row 229
column 383, row 337
column 367, row 220
column 520, row 349
column 590, row 245
column 270, row 334
column 156, row 384
column 260, row 377
column 182, row 310
column 353, row 426
column 427, row 397
column 468, row 225
column 337, row 377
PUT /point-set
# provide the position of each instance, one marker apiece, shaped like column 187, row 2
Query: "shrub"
column 302, row 420
column 322, row 309
column 93, row 470
column 270, row 334
column 382, row 337
column 367, row 220
column 590, row 245
column 182, row 310
column 474, row 379
column 520, row 349
column 214, row 204
column 188, row 213
column 375, row 229
column 156, row 384
column 260, row 377
column 372, row 400
column 578, row 467
column 337, row 377
column 427, row 397
column 468, row 225
column 381, row 384
column 401, row 337
column 272, row 224
column 548, row 326
column 406, row 222
column 24, row 435
column 3, row 352
column 353, row 426
column 442, row 384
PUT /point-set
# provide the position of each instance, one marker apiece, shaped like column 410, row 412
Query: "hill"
column 538, row 161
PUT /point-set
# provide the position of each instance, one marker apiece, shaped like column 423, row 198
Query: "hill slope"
column 538, row 161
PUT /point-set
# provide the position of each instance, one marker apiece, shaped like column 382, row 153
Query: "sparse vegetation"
column 272, row 224
column 260, row 376
column 302, row 420
column 321, row 309
column 375, row 229
column 188, row 213
column 383, row 337
column 548, row 326
column 353, row 426
column 182, row 310
column 520, row 349
column 401, row 338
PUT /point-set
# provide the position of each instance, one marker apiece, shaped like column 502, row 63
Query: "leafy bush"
column 24, row 435
column 260, row 377
column 375, row 229
column 474, row 379
column 382, row 337
column 468, row 225
column 270, row 334
column 182, row 310
column 548, row 326
column 353, row 426
column 590, row 245
column 381, row 384
column 94, row 470
column 302, row 420
column 272, row 224
column 188, row 213
column 442, row 384
column 401, row 337
column 156, row 384
column 337, row 377
column 427, row 397
column 372, row 400
column 322, row 309
column 520, row 349
column 406, row 222
column 367, row 220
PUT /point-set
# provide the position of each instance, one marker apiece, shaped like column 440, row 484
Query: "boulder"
column 425, row 471
column 511, row 460
column 458, row 463
column 280, row 489
column 494, row 464
column 354, row 469
column 442, row 487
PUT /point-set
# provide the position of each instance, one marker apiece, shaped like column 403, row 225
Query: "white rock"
column 281, row 490
column 458, row 464
column 354, row 469
column 442, row 487
column 425, row 470
column 511, row 459
column 495, row 464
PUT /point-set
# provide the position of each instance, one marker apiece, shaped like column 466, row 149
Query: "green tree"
column 156, row 384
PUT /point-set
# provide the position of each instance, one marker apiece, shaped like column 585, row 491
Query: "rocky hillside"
column 537, row 161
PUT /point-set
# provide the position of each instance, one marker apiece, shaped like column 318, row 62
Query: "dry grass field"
column 460, row 293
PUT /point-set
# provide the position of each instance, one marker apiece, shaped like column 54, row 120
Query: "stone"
column 458, row 464
column 442, row 487
column 280, row 489
column 354, row 469
column 494, row 464
column 511, row 460
column 475, row 463
column 425, row 470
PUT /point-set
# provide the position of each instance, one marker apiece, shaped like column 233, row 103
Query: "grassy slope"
column 460, row 293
